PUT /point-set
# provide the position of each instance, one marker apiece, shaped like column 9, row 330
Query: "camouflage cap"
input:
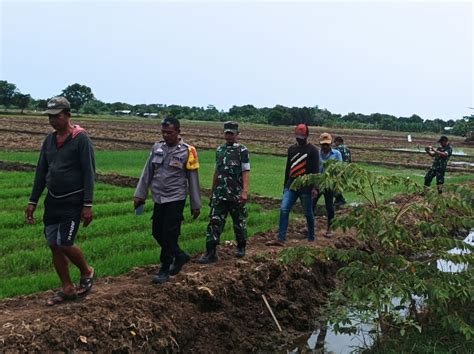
column 231, row 127
column 57, row 104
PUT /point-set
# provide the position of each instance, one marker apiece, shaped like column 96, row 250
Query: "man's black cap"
column 443, row 138
column 170, row 121
column 231, row 127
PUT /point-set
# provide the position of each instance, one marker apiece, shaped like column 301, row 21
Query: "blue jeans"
column 289, row 199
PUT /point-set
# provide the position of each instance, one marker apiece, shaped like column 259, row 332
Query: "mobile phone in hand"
column 140, row 209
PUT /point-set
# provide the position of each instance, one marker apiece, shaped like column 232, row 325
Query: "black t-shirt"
column 301, row 160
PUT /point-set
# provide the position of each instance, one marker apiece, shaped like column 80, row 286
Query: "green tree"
column 94, row 107
column 21, row 100
column 400, row 245
column 78, row 95
column 7, row 93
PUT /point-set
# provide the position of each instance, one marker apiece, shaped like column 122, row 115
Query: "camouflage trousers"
column 218, row 214
column 434, row 172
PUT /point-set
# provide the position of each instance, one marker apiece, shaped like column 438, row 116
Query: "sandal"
column 61, row 297
column 85, row 284
column 329, row 234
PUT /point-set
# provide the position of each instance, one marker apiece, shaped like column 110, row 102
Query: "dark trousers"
column 166, row 228
column 329, row 202
column 433, row 172
column 339, row 198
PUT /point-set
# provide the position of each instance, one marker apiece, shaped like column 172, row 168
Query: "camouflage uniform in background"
column 345, row 152
column 439, row 166
column 231, row 161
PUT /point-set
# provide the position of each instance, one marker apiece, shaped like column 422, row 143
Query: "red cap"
column 301, row 131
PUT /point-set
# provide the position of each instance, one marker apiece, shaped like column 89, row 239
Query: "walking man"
column 346, row 157
column 440, row 162
column 302, row 159
column 230, row 188
column 171, row 169
column 327, row 153
column 66, row 167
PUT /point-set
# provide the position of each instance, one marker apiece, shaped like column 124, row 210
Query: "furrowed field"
column 125, row 311
column 115, row 242
column 118, row 240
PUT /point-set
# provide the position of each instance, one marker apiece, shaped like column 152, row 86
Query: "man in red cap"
column 302, row 159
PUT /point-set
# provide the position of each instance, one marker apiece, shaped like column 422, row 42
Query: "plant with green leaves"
column 400, row 243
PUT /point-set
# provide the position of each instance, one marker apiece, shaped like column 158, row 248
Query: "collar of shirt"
column 328, row 155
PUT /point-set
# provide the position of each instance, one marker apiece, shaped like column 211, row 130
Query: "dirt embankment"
column 205, row 308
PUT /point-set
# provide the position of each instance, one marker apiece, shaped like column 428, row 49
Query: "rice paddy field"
column 118, row 240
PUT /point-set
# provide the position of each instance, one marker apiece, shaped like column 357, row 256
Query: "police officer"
column 230, row 187
column 440, row 162
column 170, row 170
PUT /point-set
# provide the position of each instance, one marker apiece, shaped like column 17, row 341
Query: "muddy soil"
column 205, row 308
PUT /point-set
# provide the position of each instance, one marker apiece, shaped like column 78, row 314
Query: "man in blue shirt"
column 327, row 153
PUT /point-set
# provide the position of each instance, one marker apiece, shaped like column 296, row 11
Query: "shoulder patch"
column 193, row 161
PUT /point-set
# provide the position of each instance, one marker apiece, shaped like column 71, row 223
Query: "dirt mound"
column 206, row 308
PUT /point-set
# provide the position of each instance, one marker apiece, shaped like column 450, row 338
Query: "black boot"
column 162, row 276
column 240, row 251
column 210, row 256
column 179, row 261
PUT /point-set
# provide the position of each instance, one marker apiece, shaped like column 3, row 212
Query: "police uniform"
column 231, row 162
column 439, row 166
column 169, row 172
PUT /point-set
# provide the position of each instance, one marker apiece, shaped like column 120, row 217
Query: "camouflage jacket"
column 441, row 163
column 231, row 161
column 345, row 152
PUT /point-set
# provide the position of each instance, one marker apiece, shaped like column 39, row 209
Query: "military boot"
column 210, row 256
column 240, row 251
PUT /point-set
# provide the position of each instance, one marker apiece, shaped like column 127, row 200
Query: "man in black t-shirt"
column 302, row 159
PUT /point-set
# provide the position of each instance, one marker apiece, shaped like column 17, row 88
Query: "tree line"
column 83, row 101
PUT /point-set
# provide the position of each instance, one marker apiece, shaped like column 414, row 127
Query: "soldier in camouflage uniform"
column 229, row 193
column 339, row 199
column 440, row 162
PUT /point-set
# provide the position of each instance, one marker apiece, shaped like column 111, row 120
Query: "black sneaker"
column 161, row 277
column 240, row 252
column 179, row 261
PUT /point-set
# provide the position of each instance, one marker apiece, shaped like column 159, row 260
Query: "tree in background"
column 7, row 92
column 21, row 100
column 78, row 95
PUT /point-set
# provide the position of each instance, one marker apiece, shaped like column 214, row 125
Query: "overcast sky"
column 400, row 58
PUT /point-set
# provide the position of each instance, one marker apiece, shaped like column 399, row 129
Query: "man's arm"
column 40, row 175
column 287, row 168
column 38, row 185
column 87, row 158
column 244, row 195
column 194, row 192
column 141, row 192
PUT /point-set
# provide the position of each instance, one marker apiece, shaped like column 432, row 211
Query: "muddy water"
column 325, row 340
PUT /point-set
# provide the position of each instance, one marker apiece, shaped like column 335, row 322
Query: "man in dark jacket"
column 66, row 167
column 302, row 159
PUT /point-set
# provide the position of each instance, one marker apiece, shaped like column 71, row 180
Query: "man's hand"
column 195, row 213
column 29, row 211
column 137, row 202
column 86, row 216
column 244, row 197
column 314, row 193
